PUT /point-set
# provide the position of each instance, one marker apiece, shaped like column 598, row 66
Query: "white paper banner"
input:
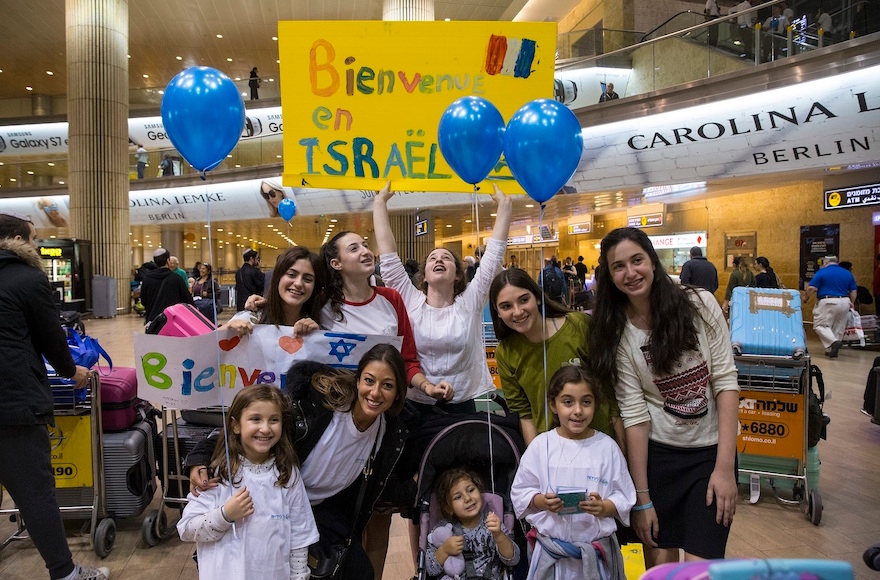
column 182, row 373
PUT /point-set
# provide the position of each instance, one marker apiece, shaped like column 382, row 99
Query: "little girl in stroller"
column 479, row 449
column 468, row 529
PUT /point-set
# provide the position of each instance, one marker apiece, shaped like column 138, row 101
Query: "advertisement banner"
column 207, row 370
column 816, row 243
column 771, row 424
column 363, row 99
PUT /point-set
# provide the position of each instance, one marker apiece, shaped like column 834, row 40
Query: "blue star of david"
column 335, row 347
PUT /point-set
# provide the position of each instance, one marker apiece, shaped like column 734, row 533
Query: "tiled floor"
column 849, row 483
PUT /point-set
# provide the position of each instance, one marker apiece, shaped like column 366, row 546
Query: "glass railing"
column 149, row 97
column 593, row 41
column 50, row 171
column 687, row 47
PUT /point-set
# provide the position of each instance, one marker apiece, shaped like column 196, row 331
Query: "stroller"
column 467, row 443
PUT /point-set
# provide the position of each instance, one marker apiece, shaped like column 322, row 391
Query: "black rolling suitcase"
column 871, row 406
column 130, row 469
column 188, row 436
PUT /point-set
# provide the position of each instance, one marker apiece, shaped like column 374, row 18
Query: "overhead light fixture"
column 219, row 36
column 50, row 73
column 228, row 60
column 179, row 57
column 274, row 38
column 29, row 88
column 146, row 76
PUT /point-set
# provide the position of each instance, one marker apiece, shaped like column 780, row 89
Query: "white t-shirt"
column 282, row 522
column 684, row 414
column 339, row 456
column 595, row 464
column 449, row 340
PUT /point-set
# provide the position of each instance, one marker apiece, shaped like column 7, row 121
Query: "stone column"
column 411, row 10
column 97, row 112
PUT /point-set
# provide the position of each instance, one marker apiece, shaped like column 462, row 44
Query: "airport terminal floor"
column 849, row 485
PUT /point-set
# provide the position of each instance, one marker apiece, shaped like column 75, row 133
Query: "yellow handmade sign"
column 362, row 100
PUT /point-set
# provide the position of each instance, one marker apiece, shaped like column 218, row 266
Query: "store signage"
column 645, row 221
column 679, row 241
column 363, row 99
column 875, row 218
column 859, row 196
column 421, row 227
column 811, row 124
column 582, row 228
column 50, row 252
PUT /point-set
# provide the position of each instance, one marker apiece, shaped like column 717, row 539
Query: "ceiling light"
column 274, row 38
column 204, row 238
column 276, row 62
column 228, row 60
column 146, row 76
column 29, row 88
column 12, row 179
column 219, row 36
column 448, row 225
column 467, row 221
column 530, row 205
column 333, row 221
column 493, row 215
column 179, row 57
column 60, row 183
column 278, row 157
column 271, row 80
column 30, row 172
column 51, row 164
column 50, row 73
column 128, row 55
column 238, row 78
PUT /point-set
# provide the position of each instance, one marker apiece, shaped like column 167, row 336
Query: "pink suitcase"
column 119, row 400
column 184, row 320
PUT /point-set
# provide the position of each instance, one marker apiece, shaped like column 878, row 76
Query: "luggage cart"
column 772, row 431
column 77, row 462
column 155, row 528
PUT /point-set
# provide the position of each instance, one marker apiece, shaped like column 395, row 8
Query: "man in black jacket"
column 29, row 330
column 249, row 279
column 162, row 287
column 698, row 271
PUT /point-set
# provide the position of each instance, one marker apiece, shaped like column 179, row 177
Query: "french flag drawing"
column 510, row 56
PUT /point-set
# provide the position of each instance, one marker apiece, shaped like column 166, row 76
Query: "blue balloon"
column 471, row 137
column 542, row 147
column 286, row 209
column 203, row 116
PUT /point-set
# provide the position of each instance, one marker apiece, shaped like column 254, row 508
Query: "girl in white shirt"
column 261, row 493
column 444, row 310
column 571, row 484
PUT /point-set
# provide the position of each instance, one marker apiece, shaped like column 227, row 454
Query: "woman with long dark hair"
column 293, row 298
column 205, row 291
column 524, row 321
column 666, row 351
column 766, row 277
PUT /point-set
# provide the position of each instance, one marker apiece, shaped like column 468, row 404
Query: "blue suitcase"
column 767, row 321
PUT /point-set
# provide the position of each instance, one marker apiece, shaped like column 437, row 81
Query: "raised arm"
column 382, row 225
column 502, row 217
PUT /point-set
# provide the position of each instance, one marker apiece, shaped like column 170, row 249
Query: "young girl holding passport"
column 571, row 483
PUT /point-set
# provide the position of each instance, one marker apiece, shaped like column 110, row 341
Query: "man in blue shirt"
column 835, row 288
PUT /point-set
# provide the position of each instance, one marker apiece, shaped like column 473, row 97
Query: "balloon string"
column 204, row 175
column 544, row 320
column 217, row 342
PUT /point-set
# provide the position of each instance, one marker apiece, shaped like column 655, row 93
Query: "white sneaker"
column 92, row 573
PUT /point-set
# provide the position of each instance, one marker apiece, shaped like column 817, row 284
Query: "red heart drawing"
column 228, row 344
column 290, row 344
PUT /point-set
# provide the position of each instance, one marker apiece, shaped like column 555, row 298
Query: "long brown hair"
column 285, row 455
column 273, row 313
column 339, row 387
column 518, row 279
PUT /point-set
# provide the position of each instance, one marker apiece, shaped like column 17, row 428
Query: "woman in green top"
column 741, row 276
column 515, row 303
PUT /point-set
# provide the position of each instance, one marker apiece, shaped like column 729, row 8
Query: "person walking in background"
column 29, row 331
column 552, row 280
column 166, row 166
column 745, row 28
column 766, row 277
column 741, row 276
column 248, row 279
column 141, row 158
column 712, row 12
column 174, row 265
column 608, row 94
column 162, row 287
column 582, row 271
column 836, row 290
column 254, row 84
column 698, row 271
